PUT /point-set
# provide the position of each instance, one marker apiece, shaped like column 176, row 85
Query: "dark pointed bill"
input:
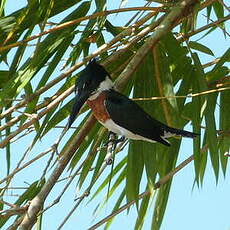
column 79, row 101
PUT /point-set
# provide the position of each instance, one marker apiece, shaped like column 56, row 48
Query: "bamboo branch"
column 38, row 107
column 62, row 76
column 100, row 50
column 36, row 117
column 73, row 22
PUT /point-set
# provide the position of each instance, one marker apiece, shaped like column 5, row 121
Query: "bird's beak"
column 79, row 101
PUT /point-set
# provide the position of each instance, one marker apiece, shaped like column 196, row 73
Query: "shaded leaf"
column 200, row 47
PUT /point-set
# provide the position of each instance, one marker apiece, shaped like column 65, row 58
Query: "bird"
column 115, row 111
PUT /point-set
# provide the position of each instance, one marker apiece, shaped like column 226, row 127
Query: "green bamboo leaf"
column 209, row 118
column 2, row 5
column 101, row 157
column 134, row 170
column 117, row 183
column 85, row 144
column 117, row 205
column 116, row 169
column 150, row 160
column 180, row 66
column 4, row 77
column 160, row 206
column 7, row 23
column 213, row 76
column 200, row 47
column 195, row 111
column 14, row 65
column 45, row 51
column 203, row 159
column 168, row 164
column 142, row 212
column 209, row 10
column 114, row 30
column 136, row 148
column 59, row 116
column 224, row 143
column 114, row 188
column 212, row 132
column 30, row 19
column 166, row 78
column 50, row 69
column 31, row 192
column 101, row 41
column 28, row 195
column 218, row 9
column 224, row 58
column 51, row 119
column 99, row 132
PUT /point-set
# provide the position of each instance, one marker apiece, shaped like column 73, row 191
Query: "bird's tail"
column 179, row 132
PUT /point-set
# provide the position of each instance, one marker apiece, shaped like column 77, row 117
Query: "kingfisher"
column 115, row 111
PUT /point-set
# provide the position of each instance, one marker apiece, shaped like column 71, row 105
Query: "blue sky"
column 188, row 208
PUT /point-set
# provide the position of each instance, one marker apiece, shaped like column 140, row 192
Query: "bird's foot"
column 114, row 142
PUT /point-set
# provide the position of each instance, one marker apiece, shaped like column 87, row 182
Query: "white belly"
column 111, row 126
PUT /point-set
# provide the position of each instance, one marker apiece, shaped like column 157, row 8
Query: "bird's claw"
column 114, row 142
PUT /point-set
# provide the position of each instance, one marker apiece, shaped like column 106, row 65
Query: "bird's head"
column 93, row 79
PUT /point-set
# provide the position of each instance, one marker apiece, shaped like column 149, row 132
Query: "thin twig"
column 208, row 64
column 183, row 96
column 21, row 136
column 107, row 161
column 183, row 37
column 223, row 29
column 18, row 169
column 18, row 118
column 8, row 204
